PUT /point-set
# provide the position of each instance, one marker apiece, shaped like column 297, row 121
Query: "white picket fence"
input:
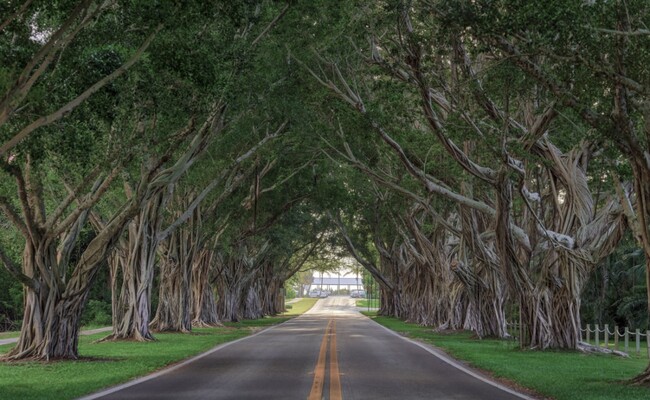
column 613, row 339
column 615, row 335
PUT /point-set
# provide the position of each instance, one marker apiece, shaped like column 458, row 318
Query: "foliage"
column 11, row 298
column 329, row 174
column 290, row 292
column 616, row 292
column 97, row 313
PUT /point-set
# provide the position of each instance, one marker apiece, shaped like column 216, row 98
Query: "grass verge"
column 300, row 307
column 561, row 375
column 110, row 363
column 365, row 303
column 9, row 335
column 15, row 334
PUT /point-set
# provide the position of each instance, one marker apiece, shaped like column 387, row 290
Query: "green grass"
column 631, row 350
column 561, row 375
column 300, row 307
column 8, row 335
column 15, row 334
column 110, row 363
column 373, row 303
column 92, row 326
column 106, row 364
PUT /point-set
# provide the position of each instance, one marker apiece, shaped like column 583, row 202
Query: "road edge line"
column 454, row 363
column 174, row 367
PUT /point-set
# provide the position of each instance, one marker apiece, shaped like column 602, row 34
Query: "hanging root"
column 25, row 354
column 203, row 324
column 113, row 337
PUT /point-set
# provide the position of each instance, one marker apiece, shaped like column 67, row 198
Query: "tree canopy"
column 482, row 160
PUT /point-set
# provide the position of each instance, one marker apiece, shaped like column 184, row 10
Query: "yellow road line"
column 319, row 372
column 335, row 379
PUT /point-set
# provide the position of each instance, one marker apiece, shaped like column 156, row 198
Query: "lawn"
column 299, row 307
column 109, row 363
column 561, row 375
column 15, row 334
column 9, row 334
column 368, row 303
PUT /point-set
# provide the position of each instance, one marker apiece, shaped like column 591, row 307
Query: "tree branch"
column 73, row 194
column 15, row 15
column 271, row 25
column 367, row 264
column 93, row 197
column 14, row 217
column 44, row 57
column 14, row 270
column 61, row 112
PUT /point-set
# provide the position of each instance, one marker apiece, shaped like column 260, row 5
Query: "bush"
column 97, row 313
column 290, row 293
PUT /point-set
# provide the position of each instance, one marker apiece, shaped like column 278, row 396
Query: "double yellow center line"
column 319, row 372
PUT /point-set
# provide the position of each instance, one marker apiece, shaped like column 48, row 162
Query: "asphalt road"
column 331, row 352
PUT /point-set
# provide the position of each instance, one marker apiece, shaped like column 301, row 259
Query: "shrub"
column 290, row 292
column 97, row 313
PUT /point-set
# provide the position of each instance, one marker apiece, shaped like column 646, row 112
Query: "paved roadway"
column 331, row 352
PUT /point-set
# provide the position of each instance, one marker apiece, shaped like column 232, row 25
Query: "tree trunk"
column 238, row 296
column 229, row 303
column 230, row 289
column 643, row 378
column 174, row 298
column 252, row 305
column 270, row 283
column 204, row 306
column 274, row 303
column 133, row 309
column 640, row 224
column 51, row 320
column 480, row 270
column 52, row 313
column 391, row 304
column 50, row 326
column 174, row 311
column 277, row 301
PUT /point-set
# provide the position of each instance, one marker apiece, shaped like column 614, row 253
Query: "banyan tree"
column 545, row 230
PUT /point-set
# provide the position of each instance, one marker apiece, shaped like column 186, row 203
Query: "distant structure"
column 336, row 283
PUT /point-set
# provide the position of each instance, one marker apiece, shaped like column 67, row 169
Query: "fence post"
column 616, row 337
column 638, row 342
column 597, row 335
column 627, row 340
column 647, row 337
column 607, row 336
column 588, row 332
